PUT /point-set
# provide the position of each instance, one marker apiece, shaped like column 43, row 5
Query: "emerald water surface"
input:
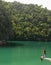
column 25, row 55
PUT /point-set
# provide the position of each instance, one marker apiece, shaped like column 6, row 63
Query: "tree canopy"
column 24, row 22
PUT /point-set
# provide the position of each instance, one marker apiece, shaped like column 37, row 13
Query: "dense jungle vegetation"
column 24, row 22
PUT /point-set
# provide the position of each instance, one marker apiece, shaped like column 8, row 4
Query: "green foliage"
column 24, row 22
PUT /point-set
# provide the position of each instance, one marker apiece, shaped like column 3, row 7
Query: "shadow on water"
column 24, row 43
column 11, row 45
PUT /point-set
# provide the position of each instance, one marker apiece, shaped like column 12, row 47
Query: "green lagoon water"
column 25, row 55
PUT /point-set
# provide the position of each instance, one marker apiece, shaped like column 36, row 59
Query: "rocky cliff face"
column 2, row 43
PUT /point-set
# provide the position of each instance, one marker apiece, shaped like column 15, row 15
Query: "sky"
column 45, row 3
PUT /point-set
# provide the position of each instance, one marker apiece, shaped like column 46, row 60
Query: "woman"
column 43, row 55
